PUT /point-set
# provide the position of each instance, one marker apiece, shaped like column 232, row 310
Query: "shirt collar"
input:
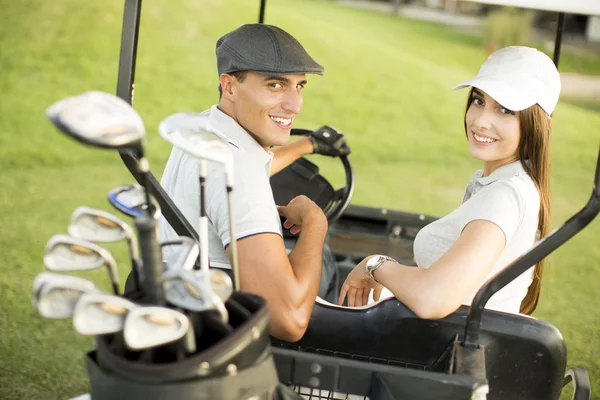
column 478, row 181
column 231, row 131
column 507, row 171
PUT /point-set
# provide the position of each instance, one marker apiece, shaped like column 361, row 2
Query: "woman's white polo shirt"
column 508, row 198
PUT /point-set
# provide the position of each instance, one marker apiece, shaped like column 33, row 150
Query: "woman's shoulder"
column 522, row 185
column 511, row 180
column 516, row 195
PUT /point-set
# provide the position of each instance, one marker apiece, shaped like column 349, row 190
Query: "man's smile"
column 281, row 121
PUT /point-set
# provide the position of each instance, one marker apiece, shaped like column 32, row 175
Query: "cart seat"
column 525, row 357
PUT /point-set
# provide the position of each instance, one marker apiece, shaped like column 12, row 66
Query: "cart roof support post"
column 129, row 41
column 560, row 25
column 261, row 14
column 125, row 90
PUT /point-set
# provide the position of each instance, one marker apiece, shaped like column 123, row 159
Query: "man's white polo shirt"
column 508, row 198
column 254, row 207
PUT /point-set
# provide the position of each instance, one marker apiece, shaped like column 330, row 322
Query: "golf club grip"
column 152, row 267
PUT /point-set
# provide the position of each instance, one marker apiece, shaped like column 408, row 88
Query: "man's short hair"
column 238, row 75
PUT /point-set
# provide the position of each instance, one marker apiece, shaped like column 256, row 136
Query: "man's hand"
column 299, row 211
column 358, row 285
column 329, row 141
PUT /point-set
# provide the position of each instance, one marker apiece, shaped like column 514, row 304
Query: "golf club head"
column 131, row 201
column 153, row 326
column 56, row 295
column 66, row 253
column 98, row 226
column 98, row 119
column 100, row 314
column 180, row 253
column 192, row 291
column 221, row 284
column 193, row 133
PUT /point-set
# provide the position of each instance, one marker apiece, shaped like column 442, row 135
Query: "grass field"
column 387, row 87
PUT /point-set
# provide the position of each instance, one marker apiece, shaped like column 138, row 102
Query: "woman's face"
column 493, row 132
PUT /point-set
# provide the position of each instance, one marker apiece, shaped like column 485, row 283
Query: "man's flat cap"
column 265, row 49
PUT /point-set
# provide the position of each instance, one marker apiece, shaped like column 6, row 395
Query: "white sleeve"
column 252, row 200
column 499, row 202
column 180, row 181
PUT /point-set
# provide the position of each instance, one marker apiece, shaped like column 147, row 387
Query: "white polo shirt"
column 254, row 207
column 508, row 198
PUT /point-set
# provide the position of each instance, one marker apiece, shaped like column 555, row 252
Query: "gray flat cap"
column 265, row 49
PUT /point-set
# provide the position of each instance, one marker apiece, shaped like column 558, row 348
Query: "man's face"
column 266, row 105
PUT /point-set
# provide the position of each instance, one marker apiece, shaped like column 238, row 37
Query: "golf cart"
column 471, row 353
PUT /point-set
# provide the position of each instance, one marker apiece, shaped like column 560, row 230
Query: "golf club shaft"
column 233, row 243
column 190, row 337
column 203, row 223
column 114, row 276
column 144, row 170
column 135, row 260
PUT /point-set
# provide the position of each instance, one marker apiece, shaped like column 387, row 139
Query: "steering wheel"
column 302, row 177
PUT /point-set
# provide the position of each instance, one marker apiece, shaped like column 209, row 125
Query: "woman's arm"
column 285, row 155
column 439, row 290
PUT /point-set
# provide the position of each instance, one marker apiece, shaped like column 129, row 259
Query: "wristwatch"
column 375, row 262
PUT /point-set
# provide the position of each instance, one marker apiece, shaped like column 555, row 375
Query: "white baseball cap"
column 518, row 77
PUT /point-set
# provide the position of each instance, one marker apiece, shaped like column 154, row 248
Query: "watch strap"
column 369, row 269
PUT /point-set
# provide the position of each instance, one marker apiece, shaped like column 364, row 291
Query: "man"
column 262, row 71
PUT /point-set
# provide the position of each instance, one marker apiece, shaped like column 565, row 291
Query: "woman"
column 506, row 205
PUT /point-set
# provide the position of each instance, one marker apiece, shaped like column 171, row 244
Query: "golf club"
column 147, row 327
column 106, row 121
column 180, row 253
column 221, row 284
column 100, row 226
column 130, row 200
column 66, row 253
column 100, row 314
column 102, row 120
column 187, row 290
column 56, row 295
column 203, row 220
column 192, row 133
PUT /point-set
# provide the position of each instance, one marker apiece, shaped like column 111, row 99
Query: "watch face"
column 373, row 261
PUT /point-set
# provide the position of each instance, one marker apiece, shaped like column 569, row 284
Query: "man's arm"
column 285, row 155
column 288, row 283
column 326, row 140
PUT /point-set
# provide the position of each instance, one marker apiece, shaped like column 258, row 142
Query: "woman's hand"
column 358, row 285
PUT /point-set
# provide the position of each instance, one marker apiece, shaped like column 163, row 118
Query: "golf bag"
column 231, row 362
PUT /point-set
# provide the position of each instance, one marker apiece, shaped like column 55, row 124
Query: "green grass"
column 387, row 87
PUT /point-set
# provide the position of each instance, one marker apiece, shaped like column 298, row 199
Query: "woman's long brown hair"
column 534, row 146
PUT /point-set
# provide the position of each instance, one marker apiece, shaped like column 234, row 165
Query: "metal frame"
column 125, row 90
column 546, row 246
